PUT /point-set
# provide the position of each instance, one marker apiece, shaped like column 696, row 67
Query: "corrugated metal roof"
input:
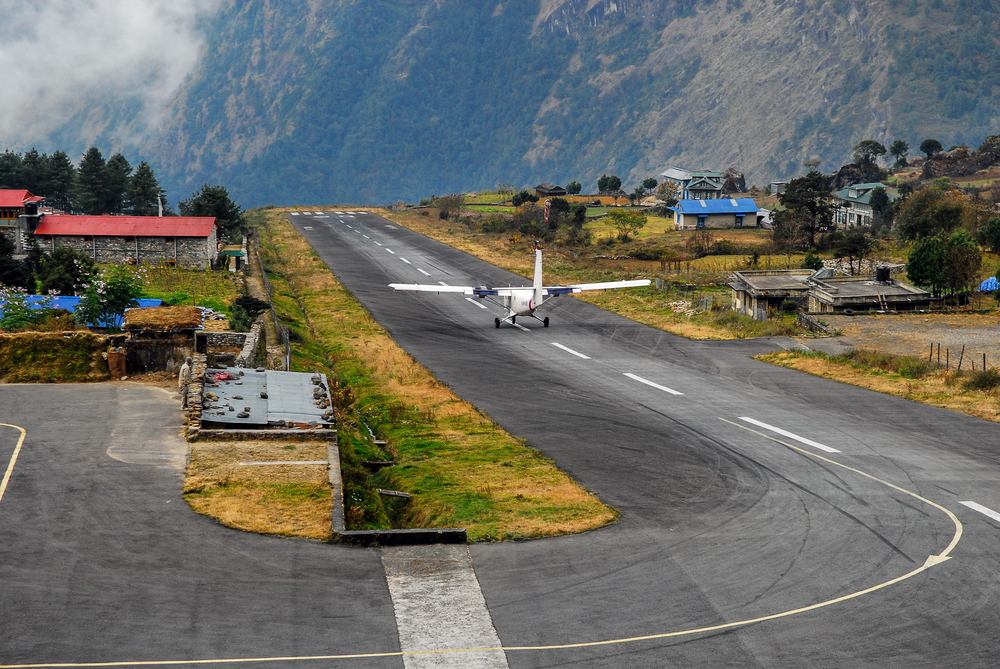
column 71, row 302
column 127, row 226
column 14, row 198
column 289, row 398
column 743, row 205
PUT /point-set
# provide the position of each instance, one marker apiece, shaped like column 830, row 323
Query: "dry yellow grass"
column 163, row 318
column 476, row 475
column 938, row 388
column 289, row 500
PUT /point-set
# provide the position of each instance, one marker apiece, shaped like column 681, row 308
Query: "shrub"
column 983, row 380
column 788, row 306
column 812, row 262
column 493, row 225
column 443, row 215
column 906, row 366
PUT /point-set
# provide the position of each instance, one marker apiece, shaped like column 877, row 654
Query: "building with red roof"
column 12, row 206
column 175, row 240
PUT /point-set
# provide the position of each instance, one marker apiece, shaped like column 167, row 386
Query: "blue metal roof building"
column 717, row 214
column 71, row 302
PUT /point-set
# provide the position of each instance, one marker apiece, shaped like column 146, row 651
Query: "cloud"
column 58, row 56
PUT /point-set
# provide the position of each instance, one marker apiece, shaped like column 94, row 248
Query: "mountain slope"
column 347, row 100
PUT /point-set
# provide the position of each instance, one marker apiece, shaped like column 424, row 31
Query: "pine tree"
column 91, row 184
column 10, row 170
column 214, row 201
column 60, row 181
column 142, row 191
column 118, row 172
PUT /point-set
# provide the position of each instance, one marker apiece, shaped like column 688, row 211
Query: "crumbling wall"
column 158, row 352
column 254, row 341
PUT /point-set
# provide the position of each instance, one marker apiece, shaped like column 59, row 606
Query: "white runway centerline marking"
column 379, row 243
column 476, row 302
column 986, row 511
column 405, row 260
column 790, row 435
column 306, row 227
column 423, row 272
column 569, row 350
column 521, row 327
column 390, row 251
column 442, row 283
column 654, row 385
column 366, row 236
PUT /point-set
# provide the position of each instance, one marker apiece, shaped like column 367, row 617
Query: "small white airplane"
column 520, row 301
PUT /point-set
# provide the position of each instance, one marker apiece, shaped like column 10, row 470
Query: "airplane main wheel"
column 496, row 321
column 513, row 319
column 545, row 321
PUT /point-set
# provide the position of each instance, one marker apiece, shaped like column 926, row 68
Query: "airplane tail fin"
column 538, row 298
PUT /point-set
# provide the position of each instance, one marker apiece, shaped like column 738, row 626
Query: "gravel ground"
column 913, row 334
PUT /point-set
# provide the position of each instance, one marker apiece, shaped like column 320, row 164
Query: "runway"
column 769, row 518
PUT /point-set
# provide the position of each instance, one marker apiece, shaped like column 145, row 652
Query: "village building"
column 758, row 293
column 183, row 241
column 14, row 203
column 545, row 189
column 715, row 214
column 702, row 185
column 854, row 205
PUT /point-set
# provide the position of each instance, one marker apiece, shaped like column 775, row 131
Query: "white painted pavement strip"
column 520, row 327
column 439, row 605
column 654, row 385
column 405, row 260
column 306, row 227
column 390, row 251
column 442, row 283
column 379, row 243
column 423, row 272
column 295, row 213
column 569, row 350
column 476, row 302
column 790, row 435
column 366, row 236
column 986, row 511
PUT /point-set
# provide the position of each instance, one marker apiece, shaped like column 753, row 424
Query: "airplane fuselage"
column 521, row 303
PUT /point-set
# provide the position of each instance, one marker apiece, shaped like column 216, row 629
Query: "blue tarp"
column 71, row 302
column 988, row 285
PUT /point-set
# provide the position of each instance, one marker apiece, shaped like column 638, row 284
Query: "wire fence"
column 278, row 327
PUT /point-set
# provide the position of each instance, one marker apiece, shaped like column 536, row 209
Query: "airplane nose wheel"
column 545, row 321
column 496, row 322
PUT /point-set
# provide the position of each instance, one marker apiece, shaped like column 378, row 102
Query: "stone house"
column 183, row 241
column 545, row 189
column 715, row 214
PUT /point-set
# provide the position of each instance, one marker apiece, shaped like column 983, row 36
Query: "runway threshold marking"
column 423, row 272
column 476, row 302
column 985, row 510
column 569, row 350
column 931, row 561
column 13, row 458
column 790, row 435
column 654, row 385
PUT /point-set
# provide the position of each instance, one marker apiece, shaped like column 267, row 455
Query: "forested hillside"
column 353, row 101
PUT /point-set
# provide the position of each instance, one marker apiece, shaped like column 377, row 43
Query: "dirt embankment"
column 53, row 357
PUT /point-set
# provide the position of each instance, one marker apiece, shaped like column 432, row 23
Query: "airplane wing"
column 431, row 288
column 604, row 285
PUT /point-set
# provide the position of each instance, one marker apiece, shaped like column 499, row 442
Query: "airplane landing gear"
column 513, row 319
column 496, row 322
column 545, row 321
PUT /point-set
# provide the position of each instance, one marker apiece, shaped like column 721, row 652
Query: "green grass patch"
column 906, row 366
column 179, row 286
column 53, row 357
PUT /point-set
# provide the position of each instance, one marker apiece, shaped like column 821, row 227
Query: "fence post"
column 961, row 356
column 947, row 359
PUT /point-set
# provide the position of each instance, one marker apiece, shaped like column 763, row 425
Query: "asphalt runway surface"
column 748, row 492
column 719, row 524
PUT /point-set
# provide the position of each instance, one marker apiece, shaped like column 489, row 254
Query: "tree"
column 107, row 296
column 13, row 273
column 574, row 187
column 929, row 211
column 627, row 223
column 867, row 152
column 930, row 147
column 649, row 184
column 117, row 173
column 10, row 170
column 989, row 234
column 65, row 271
column 607, row 184
column 925, row 266
column 142, row 191
column 856, row 245
column 91, row 191
column 962, row 260
column 60, row 181
column 450, row 205
column 637, row 194
column 523, row 197
column 881, row 205
column 899, row 148
column 787, row 235
column 669, row 192
column 214, row 201
column 33, row 171
column 811, row 198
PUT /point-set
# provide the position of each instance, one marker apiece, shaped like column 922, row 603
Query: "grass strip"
column 461, row 469
column 972, row 393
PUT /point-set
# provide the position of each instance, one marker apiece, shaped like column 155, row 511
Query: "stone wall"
column 192, row 252
column 254, row 340
column 157, row 352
